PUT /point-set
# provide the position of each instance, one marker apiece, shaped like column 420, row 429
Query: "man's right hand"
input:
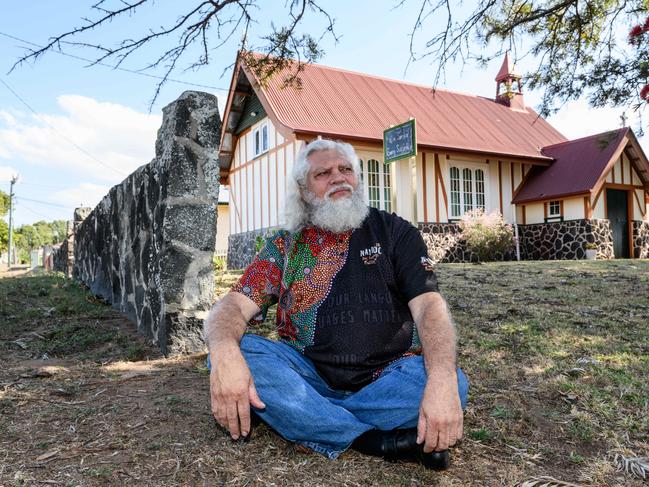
column 232, row 391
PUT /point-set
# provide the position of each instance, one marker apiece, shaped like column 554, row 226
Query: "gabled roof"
column 337, row 103
column 581, row 165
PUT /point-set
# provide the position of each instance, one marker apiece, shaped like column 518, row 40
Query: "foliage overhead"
column 203, row 28
column 580, row 47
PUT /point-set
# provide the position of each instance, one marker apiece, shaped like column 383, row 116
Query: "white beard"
column 339, row 215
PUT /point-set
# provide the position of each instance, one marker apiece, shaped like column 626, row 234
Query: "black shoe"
column 400, row 444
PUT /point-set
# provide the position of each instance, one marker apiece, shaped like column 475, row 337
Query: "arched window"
column 479, row 189
column 376, row 177
column 455, row 192
column 467, row 190
column 387, row 192
column 467, row 181
column 373, row 183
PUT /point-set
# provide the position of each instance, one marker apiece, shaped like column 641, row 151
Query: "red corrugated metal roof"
column 577, row 167
column 342, row 103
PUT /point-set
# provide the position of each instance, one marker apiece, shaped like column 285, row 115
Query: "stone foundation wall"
column 241, row 247
column 442, row 240
column 565, row 240
column 147, row 247
column 445, row 244
column 543, row 241
column 641, row 239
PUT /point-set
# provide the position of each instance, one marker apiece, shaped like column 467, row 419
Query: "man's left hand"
column 440, row 412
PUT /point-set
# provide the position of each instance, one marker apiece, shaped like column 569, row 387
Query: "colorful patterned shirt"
column 343, row 298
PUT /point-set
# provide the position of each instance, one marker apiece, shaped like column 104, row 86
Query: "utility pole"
column 11, row 201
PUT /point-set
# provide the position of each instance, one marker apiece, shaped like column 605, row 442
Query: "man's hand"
column 232, row 391
column 440, row 413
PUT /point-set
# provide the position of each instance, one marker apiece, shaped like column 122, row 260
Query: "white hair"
column 303, row 208
column 302, row 165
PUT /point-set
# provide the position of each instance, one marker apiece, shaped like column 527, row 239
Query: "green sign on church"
column 400, row 141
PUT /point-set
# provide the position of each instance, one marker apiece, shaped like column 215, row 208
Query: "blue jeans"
column 302, row 408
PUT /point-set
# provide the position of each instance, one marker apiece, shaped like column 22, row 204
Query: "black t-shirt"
column 343, row 298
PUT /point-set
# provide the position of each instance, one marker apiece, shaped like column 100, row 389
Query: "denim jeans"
column 302, row 408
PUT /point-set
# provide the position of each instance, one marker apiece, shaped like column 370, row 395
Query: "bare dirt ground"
column 557, row 354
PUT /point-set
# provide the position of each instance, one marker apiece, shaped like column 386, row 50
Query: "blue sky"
column 91, row 126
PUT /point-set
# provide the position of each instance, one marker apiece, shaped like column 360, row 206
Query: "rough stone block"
column 181, row 179
column 180, row 225
column 174, row 266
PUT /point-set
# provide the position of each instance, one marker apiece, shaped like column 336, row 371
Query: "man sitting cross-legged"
column 366, row 356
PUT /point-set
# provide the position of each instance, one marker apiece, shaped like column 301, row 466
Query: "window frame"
column 554, row 204
column 554, row 217
column 475, row 197
column 260, row 134
column 382, row 176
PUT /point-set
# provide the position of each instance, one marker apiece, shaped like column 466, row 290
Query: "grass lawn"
column 557, row 354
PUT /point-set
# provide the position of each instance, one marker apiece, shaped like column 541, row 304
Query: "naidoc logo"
column 427, row 263
column 371, row 254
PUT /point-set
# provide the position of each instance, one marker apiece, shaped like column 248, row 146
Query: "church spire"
column 508, row 85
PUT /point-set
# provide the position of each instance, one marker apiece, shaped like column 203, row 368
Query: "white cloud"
column 6, row 172
column 115, row 135
column 7, row 118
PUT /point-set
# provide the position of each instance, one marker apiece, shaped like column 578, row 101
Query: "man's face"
column 329, row 171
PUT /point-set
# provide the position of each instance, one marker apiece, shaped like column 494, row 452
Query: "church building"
column 472, row 152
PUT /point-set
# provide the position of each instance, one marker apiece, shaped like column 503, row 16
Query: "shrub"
column 486, row 235
column 219, row 263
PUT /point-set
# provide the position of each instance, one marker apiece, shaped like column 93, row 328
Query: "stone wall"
column 543, row 241
column 241, row 247
column 641, row 239
column 442, row 240
column 147, row 247
column 445, row 244
column 565, row 240
column 63, row 256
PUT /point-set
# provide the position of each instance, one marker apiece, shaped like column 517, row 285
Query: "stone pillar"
column 641, row 239
column 147, row 247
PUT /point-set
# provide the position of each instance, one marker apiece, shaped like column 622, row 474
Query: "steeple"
column 510, row 83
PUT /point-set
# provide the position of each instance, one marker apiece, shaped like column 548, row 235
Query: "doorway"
column 617, row 205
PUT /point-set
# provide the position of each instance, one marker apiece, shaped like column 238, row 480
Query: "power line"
column 34, row 211
column 48, row 186
column 132, row 71
column 60, row 134
column 48, row 203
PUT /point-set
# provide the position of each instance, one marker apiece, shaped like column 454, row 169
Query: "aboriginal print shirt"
column 343, row 298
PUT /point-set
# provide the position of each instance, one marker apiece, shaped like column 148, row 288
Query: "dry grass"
column 557, row 355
